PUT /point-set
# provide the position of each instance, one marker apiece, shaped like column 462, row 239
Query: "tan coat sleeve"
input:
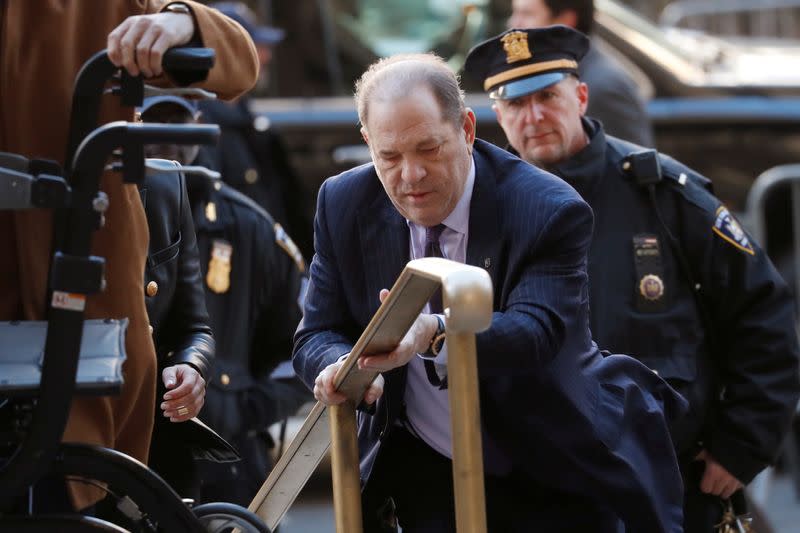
column 236, row 68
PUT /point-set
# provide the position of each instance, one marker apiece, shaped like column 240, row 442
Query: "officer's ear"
column 583, row 96
column 497, row 113
column 364, row 135
column 568, row 17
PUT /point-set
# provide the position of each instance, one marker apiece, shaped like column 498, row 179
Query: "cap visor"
column 151, row 101
column 526, row 86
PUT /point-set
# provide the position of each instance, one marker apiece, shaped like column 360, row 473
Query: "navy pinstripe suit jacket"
column 552, row 406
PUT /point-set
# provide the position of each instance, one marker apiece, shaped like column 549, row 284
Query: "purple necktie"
column 433, row 249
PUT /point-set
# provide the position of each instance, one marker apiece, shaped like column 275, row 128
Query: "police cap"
column 519, row 62
column 241, row 13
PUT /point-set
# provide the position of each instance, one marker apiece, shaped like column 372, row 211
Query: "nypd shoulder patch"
column 728, row 229
column 283, row 240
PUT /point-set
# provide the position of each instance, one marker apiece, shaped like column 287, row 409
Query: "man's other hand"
column 139, row 43
column 716, row 479
column 324, row 390
column 186, row 392
column 416, row 340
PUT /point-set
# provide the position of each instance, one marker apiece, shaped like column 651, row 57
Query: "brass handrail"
column 467, row 297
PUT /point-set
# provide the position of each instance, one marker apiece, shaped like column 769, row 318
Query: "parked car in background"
column 728, row 109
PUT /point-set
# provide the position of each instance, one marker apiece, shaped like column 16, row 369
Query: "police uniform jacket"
column 738, row 365
column 253, row 276
column 45, row 44
column 253, row 160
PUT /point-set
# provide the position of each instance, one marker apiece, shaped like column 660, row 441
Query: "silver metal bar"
column 164, row 165
column 675, row 12
column 796, row 231
column 757, row 197
column 184, row 92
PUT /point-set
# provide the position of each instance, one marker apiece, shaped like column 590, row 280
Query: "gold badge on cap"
column 515, row 44
column 219, row 267
column 651, row 287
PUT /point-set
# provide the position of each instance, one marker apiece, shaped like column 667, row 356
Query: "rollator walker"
column 43, row 364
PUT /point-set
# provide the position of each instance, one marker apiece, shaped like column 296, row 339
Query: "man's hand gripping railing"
column 467, row 293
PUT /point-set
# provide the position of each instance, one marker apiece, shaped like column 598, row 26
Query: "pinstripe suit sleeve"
column 320, row 339
column 546, row 294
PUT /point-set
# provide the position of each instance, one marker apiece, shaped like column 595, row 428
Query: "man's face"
column 421, row 159
column 530, row 14
column 545, row 126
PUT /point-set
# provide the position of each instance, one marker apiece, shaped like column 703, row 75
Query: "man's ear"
column 364, row 135
column 469, row 126
column 568, row 17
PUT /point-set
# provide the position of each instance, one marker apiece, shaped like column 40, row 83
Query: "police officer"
column 674, row 279
column 254, row 278
column 250, row 154
column 616, row 99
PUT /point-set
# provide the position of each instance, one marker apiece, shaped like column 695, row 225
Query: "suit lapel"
column 484, row 236
column 384, row 246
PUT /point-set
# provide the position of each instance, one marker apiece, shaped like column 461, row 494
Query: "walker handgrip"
column 184, row 59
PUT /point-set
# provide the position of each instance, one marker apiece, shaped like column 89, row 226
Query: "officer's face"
column 529, row 14
column 545, row 126
column 421, row 159
column 168, row 113
column 264, row 60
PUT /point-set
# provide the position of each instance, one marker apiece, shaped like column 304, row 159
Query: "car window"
column 400, row 26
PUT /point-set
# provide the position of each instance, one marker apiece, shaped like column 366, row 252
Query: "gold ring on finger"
column 183, row 411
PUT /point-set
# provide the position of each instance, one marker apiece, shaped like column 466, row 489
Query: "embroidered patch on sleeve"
column 729, row 229
column 283, row 240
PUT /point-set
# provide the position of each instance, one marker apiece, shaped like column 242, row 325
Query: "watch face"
column 177, row 8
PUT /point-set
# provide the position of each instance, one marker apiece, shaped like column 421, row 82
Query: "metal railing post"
column 344, row 468
column 464, row 304
column 468, row 487
column 757, row 197
column 755, row 212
